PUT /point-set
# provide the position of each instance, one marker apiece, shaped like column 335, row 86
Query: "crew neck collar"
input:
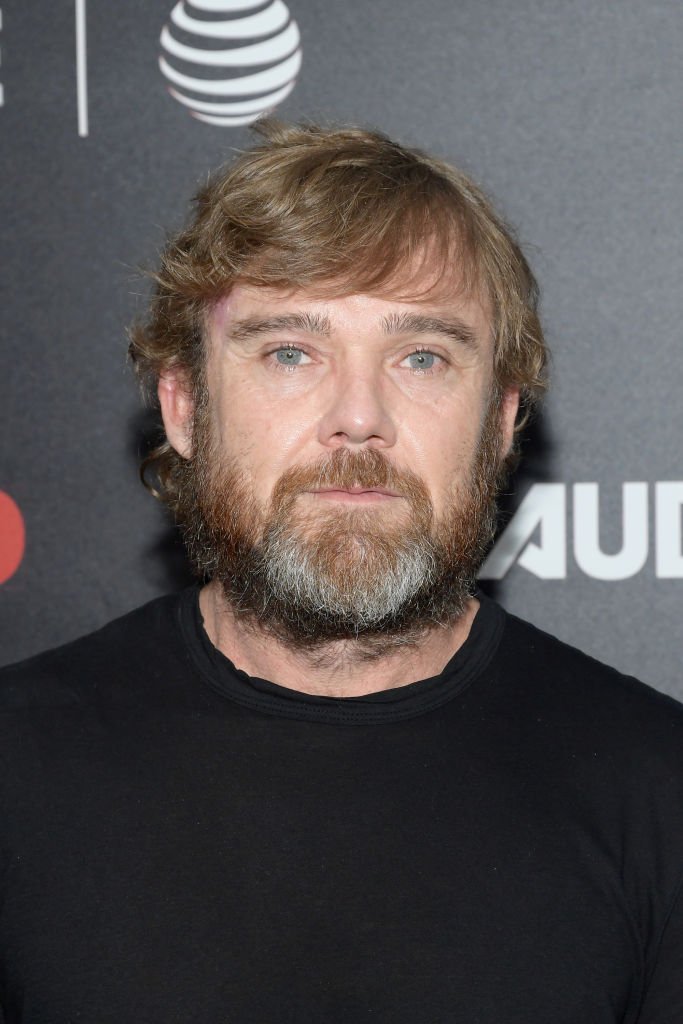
column 373, row 708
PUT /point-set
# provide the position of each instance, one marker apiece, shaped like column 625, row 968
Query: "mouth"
column 355, row 495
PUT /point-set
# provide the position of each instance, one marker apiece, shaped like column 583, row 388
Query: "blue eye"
column 289, row 356
column 421, row 360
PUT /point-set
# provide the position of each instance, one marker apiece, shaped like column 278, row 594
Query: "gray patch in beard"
column 360, row 598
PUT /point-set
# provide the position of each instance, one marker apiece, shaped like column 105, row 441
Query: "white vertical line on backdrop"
column 81, row 69
column 2, row 89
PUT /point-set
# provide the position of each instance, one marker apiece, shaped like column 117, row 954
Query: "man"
column 334, row 783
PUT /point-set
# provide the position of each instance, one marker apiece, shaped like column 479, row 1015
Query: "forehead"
column 341, row 307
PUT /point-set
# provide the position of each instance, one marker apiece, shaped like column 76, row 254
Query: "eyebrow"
column 254, row 326
column 452, row 328
column 417, row 323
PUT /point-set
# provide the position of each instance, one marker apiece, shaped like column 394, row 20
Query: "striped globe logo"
column 230, row 61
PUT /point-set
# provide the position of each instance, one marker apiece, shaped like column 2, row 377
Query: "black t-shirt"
column 180, row 842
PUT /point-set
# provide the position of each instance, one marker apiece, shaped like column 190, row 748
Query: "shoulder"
column 75, row 671
column 583, row 693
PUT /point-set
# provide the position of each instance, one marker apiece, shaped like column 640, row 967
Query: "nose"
column 356, row 412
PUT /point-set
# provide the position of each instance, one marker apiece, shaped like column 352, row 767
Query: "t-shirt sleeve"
column 663, row 1000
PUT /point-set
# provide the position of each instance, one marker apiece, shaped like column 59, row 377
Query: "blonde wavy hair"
column 343, row 207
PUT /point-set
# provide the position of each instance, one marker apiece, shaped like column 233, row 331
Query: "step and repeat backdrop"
column 570, row 115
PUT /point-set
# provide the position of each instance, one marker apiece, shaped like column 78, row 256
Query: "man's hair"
column 348, row 210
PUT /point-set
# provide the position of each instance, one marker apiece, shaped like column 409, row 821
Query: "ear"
column 509, row 405
column 177, row 409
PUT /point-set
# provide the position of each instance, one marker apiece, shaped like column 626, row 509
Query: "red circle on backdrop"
column 12, row 537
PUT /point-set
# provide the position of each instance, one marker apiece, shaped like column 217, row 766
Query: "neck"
column 341, row 668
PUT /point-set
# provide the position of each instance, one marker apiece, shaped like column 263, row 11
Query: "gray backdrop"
column 571, row 117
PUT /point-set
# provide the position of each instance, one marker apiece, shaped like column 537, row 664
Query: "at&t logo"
column 544, row 509
column 226, row 66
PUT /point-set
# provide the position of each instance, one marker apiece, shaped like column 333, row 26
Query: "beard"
column 310, row 574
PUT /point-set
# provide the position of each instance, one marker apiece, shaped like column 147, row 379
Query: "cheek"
column 445, row 453
column 259, row 411
column 443, row 443
column 268, row 435
column 264, row 440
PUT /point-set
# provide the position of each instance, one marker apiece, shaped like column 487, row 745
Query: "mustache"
column 344, row 468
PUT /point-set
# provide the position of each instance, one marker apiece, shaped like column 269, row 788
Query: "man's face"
column 345, row 458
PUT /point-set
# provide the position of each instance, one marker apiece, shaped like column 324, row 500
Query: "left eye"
column 290, row 356
column 421, row 360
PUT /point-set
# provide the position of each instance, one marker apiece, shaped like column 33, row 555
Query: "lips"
column 357, row 490
column 355, row 495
